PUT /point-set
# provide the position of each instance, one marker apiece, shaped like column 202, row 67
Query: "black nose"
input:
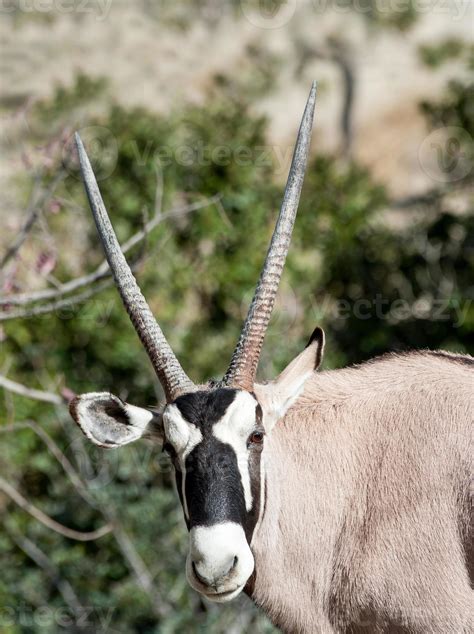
column 208, row 578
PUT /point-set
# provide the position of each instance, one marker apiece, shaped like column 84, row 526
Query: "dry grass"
column 151, row 61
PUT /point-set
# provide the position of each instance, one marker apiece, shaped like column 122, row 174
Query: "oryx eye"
column 256, row 438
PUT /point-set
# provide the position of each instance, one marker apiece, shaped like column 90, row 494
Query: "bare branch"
column 61, row 304
column 47, row 521
column 102, row 270
column 54, row 449
column 431, row 196
column 138, row 566
column 35, row 207
column 135, row 562
column 335, row 52
column 40, row 558
column 37, row 395
column 32, row 213
column 344, row 62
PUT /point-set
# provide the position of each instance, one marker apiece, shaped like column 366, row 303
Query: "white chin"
column 212, row 547
column 223, row 597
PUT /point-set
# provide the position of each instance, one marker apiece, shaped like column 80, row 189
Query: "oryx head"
column 215, row 433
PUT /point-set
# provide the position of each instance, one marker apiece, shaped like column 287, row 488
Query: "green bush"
column 198, row 274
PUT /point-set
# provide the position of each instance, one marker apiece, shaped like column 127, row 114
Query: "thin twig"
column 430, row 196
column 126, row 545
column 34, row 209
column 138, row 566
column 66, row 303
column 47, row 521
column 336, row 53
column 54, row 449
column 102, row 270
column 37, row 395
column 130, row 553
column 32, row 213
column 40, row 558
column 343, row 60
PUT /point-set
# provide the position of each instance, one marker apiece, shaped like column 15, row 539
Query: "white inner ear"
column 109, row 422
column 272, row 407
column 276, row 400
column 139, row 418
column 286, row 395
column 277, row 397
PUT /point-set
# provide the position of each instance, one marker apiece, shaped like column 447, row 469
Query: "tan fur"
column 368, row 517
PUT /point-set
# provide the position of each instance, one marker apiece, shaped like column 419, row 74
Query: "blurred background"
column 189, row 112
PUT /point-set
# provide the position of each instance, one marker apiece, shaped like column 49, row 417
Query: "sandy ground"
column 152, row 62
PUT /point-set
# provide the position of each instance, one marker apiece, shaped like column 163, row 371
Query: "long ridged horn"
column 244, row 362
column 170, row 373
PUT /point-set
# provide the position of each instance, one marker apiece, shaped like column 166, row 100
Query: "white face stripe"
column 184, row 437
column 234, row 429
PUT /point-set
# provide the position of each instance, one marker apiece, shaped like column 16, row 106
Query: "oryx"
column 339, row 501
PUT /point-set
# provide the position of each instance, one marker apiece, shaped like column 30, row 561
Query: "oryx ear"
column 110, row 422
column 279, row 395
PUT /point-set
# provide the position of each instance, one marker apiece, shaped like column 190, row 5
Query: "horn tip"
column 312, row 93
column 78, row 140
column 308, row 115
column 81, row 150
column 84, row 162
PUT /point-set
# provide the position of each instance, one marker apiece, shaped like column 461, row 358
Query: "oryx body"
column 339, row 501
column 369, row 516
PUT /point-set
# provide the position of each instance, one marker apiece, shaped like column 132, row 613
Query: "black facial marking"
column 213, row 486
column 204, row 409
column 214, row 489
